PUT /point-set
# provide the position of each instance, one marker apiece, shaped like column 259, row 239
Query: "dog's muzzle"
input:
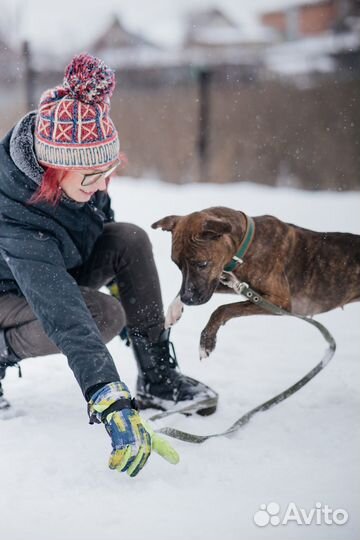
column 192, row 296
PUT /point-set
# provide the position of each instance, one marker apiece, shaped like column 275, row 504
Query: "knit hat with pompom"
column 73, row 127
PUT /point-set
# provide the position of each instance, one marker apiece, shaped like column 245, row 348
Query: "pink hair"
column 50, row 191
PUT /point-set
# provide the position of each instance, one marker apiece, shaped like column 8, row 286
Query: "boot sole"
column 147, row 403
column 207, row 412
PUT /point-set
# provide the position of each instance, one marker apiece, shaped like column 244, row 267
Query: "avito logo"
column 269, row 514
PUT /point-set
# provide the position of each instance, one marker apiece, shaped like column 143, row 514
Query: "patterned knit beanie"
column 73, row 127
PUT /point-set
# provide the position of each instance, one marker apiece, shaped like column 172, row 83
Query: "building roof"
column 210, row 18
column 214, row 28
column 116, row 36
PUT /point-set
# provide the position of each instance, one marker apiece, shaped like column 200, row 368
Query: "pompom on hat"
column 73, row 128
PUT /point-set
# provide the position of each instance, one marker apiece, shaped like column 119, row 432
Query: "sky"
column 68, row 24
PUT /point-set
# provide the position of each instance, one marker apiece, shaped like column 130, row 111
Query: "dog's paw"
column 174, row 312
column 203, row 353
column 207, row 344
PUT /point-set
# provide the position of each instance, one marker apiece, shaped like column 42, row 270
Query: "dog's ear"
column 213, row 228
column 166, row 224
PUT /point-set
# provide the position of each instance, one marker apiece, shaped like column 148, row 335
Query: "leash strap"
column 244, row 289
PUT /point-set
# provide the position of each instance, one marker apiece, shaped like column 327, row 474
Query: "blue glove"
column 132, row 439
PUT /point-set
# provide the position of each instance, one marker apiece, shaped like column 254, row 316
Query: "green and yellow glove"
column 132, row 438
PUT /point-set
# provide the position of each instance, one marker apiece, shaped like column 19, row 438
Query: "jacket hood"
column 22, row 148
column 20, row 167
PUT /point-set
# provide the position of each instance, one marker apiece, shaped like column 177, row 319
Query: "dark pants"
column 123, row 252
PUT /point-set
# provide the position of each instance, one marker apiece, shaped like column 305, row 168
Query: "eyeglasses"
column 90, row 179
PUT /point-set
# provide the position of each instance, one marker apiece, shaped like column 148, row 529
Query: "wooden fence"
column 225, row 124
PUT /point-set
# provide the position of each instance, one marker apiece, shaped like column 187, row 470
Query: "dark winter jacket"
column 39, row 244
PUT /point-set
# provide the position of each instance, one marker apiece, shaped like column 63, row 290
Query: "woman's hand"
column 132, row 438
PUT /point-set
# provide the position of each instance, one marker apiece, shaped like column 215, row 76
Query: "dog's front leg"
column 174, row 312
column 220, row 317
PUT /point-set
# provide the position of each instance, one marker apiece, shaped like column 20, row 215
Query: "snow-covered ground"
column 54, row 481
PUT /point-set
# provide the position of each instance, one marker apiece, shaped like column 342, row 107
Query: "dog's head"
column 201, row 247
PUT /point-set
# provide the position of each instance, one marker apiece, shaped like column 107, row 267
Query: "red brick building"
column 308, row 19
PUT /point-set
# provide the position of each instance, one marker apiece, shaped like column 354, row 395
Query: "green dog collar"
column 245, row 243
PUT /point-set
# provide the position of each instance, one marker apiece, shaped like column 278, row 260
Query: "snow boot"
column 7, row 358
column 160, row 384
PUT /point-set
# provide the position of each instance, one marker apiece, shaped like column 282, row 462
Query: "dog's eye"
column 202, row 264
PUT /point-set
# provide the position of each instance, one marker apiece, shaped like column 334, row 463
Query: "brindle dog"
column 300, row 270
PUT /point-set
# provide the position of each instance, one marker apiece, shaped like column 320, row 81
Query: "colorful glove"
column 132, row 439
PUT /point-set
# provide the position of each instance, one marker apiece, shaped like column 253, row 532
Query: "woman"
column 59, row 244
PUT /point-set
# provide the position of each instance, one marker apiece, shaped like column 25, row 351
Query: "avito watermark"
column 320, row 514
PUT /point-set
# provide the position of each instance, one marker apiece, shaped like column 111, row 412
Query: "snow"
column 311, row 53
column 53, row 469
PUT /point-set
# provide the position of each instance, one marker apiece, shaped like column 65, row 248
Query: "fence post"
column 29, row 76
column 204, row 122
